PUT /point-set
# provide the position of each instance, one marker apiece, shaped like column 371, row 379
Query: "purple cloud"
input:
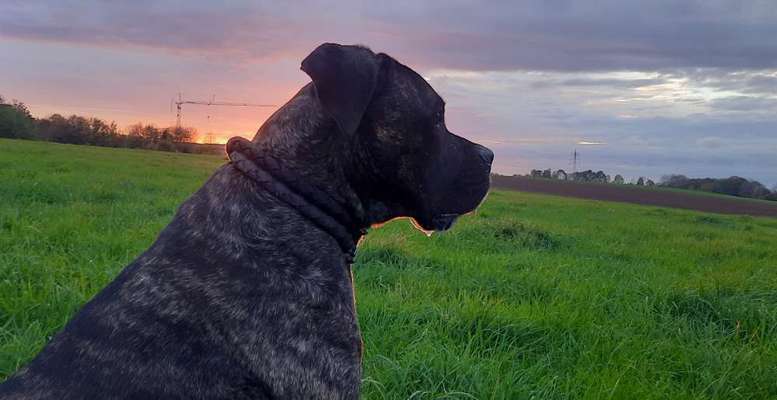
column 542, row 35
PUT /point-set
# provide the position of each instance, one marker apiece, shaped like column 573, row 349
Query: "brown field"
column 700, row 201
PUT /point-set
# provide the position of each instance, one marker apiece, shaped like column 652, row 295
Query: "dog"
column 248, row 292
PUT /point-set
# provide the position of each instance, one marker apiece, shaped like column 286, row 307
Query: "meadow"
column 531, row 297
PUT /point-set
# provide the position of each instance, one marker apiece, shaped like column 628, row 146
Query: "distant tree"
column 641, row 181
column 560, row 175
column 732, row 185
column 706, row 184
column 618, row 180
column 183, row 134
column 650, row 182
column 772, row 196
column 600, row 177
column 21, row 108
column 536, row 173
column 547, row 174
column 103, row 134
column 48, row 127
column 152, row 135
column 148, row 136
column 583, row 176
column 135, row 135
column 674, row 180
column 16, row 121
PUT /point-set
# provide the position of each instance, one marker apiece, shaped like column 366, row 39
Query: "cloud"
column 745, row 104
column 612, row 82
column 502, row 35
column 675, row 123
column 710, row 142
column 590, row 143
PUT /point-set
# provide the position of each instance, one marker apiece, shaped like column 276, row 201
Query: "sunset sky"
column 638, row 87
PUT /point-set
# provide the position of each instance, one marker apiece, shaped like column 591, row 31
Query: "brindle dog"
column 248, row 292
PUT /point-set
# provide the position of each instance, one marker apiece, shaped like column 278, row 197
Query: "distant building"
column 560, row 175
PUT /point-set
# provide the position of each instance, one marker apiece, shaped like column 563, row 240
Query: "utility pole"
column 574, row 163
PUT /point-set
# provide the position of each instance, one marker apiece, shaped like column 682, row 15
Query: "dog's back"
column 217, row 308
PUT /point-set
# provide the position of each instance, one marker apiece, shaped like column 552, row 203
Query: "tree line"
column 17, row 122
column 588, row 176
column 733, row 186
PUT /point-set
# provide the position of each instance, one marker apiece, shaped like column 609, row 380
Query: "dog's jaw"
column 439, row 223
column 443, row 222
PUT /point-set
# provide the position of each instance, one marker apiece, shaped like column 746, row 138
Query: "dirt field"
column 639, row 195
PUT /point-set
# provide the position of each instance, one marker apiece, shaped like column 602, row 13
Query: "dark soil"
column 639, row 195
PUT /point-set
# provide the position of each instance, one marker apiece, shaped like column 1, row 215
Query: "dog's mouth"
column 443, row 222
column 438, row 223
column 464, row 196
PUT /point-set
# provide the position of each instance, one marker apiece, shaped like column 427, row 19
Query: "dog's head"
column 406, row 162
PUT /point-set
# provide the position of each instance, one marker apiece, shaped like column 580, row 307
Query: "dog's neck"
column 306, row 145
column 317, row 206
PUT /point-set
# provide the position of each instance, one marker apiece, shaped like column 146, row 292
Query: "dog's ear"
column 345, row 78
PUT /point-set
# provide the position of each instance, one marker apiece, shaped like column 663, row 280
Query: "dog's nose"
column 486, row 155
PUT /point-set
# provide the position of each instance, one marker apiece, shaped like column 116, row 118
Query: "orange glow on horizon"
column 213, row 124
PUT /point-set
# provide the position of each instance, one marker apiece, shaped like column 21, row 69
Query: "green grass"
column 532, row 297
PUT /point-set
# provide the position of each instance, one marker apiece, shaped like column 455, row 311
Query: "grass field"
column 532, row 297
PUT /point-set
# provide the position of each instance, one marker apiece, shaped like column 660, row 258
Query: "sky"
column 637, row 88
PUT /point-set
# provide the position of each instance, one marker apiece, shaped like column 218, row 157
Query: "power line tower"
column 211, row 102
column 575, row 156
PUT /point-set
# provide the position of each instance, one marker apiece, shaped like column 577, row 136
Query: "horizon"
column 639, row 90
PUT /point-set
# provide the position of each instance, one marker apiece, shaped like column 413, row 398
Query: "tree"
column 103, row 134
column 183, row 134
column 618, row 180
column 22, row 109
column 547, row 174
column 677, row 181
column 650, row 182
column 48, row 127
column 137, row 135
column 590, row 176
column 641, row 181
column 730, row 185
column 772, row 195
column 16, row 121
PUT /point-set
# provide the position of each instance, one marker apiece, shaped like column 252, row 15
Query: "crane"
column 211, row 102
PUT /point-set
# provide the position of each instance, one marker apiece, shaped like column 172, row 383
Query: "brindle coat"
column 241, row 296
